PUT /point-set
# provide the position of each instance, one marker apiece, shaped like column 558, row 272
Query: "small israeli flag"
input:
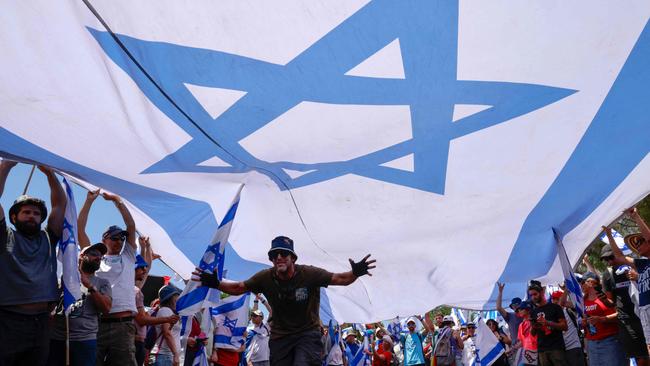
column 201, row 358
column 68, row 253
column 231, row 319
column 485, row 346
column 196, row 297
column 572, row 284
column 618, row 239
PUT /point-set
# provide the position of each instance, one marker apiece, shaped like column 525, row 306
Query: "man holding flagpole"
column 293, row 291
column 84, row 314
column 28, row 272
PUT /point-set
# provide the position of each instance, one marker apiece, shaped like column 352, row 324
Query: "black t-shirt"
column 616, row 282
column 296, row 302
column 549, row 339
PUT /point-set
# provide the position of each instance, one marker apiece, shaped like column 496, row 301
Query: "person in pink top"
column 525, row 337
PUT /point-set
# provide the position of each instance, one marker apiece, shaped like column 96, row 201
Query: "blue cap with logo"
column 282, row 243
column 140, row 262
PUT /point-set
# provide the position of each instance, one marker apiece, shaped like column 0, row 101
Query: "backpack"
column 152, row 334
column 442, row 351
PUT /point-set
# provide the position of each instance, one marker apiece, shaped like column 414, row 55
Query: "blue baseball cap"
column 516, row 301
column 140, row 262
column 115, row 230
column 524, row 305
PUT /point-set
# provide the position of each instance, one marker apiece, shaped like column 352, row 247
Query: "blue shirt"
column 643, row 267
column 413, row 352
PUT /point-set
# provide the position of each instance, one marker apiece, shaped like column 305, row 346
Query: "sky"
column 102, row 214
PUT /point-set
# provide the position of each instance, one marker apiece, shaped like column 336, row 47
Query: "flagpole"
column 67, row 340
column 29, row 179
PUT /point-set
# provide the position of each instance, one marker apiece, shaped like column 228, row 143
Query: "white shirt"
column 469, row 351
column 571, row 338
column 259, row 347
column 119, row 270
column 335, row 357
column 164, row 349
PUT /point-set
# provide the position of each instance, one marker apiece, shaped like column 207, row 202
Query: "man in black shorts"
column 293, row 291
column 616, row 285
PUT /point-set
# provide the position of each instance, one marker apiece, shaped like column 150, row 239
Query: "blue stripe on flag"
column 225, row 308
column 492, row 355
column 192, row 298
column 230, row 215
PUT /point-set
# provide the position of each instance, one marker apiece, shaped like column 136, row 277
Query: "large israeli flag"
column 410, row 130
column 196, row 297
column 231, row 319
column 68, row 252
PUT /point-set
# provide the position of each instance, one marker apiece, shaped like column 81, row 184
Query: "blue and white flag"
column 355, row 125
column 231, row 319
column 618, row 239
column 571, row 282
column 484, row 348
column 68, row 252
column 459, row 316
column 201, row 358
column 196, row 297
column 395, row 328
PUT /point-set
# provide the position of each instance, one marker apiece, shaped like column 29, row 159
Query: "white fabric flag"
column 570, row 280
column 68, row 252
column 355, row 125
column 484, row 348
column 196, row 297
column 231, row 319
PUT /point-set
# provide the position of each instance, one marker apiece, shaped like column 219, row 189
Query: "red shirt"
column 227, row 357
column 603, row 330
column 524, row 334
column 376, row 361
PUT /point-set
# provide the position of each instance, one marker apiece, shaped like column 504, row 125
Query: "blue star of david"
column 428, row 34
column 67, row 236
column 229, row 323
column 217, row 258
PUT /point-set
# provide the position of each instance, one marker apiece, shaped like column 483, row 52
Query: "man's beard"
column 28, row 228
column 89, row 266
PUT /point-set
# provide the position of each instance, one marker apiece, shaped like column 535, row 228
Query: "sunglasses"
column 282, row 253
column 608, row 258
column 117, row 238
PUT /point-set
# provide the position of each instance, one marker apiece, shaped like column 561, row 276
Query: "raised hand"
column 8, row 164
column 361, row 268
column 501, row 285
column 111, row 197
column 92, row 195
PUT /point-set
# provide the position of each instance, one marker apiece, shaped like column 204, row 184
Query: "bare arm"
column 634, row 214
column 102, row 302
column 428, row 323
column 590, row 267
column 169, row 339
column 58, row 201
column 82, row 219
column 343, row 279
column 5, row 168
column 499, row 301
column 233, row 287
column 143, row 318
column 126, row 216
column 619, row 258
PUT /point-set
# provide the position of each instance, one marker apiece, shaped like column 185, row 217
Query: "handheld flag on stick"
column 68, row 253
column 485, row 346
column 231, row 319
column 572, row 285
column 196, row 297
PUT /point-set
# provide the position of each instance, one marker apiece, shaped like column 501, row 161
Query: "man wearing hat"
column 258, row 352
column 633, row 330
column 28, row 272
column 84, row 314
column 116, row 338
column 412, row 344
column 293, row 292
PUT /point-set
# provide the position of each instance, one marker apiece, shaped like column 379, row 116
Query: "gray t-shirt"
column 513, row 326
column 84, row 317
column 27, row 267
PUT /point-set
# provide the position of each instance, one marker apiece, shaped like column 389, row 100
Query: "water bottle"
column 591, row 328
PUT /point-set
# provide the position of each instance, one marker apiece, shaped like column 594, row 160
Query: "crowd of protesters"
column 110, row 324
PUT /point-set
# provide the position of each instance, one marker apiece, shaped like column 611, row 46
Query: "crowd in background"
column 111, row 325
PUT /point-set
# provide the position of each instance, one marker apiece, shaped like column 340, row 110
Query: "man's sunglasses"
column 283, row 253
column 117, row 238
